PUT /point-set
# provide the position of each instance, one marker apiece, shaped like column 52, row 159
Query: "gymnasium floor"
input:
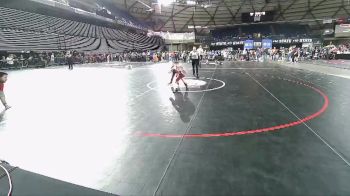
column 244, row 128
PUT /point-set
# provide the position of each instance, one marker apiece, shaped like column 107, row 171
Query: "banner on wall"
column 292, row 41
column 257, row 44
column 264, row 43
column 249, row 44
column 267, row 43
column 174, row 37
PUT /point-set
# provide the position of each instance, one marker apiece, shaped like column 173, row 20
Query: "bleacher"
column 290, row 30
column 225, row 33
column 250, row 30
column 20, row 30
column 271, row 31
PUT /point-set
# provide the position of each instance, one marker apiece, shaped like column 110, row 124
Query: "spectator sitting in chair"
column 10, row 60
column 3, row 61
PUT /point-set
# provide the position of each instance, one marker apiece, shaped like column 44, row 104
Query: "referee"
column 194, row 55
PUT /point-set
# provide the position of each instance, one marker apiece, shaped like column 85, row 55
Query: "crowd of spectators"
column 292, row 54
column 44, row 59
column 271, row 31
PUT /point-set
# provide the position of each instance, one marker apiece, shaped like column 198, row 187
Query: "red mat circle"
column 253, row 131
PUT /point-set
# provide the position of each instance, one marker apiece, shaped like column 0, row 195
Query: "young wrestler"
column 173, row 72
column 180, row 75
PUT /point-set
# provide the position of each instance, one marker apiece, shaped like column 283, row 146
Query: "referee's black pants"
column 195, row 64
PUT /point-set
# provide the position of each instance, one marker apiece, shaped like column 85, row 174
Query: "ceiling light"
column 190, row 2
column 165, row 2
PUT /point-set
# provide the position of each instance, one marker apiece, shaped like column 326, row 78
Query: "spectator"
column 10, row 60
column 52, row 59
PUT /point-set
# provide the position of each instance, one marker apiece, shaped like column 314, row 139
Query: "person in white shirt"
column 10, row 60
column 244, row 54
column 200, row 52
column 205, row 57
column 52, row 59
column 194, row 55
column 108, row 58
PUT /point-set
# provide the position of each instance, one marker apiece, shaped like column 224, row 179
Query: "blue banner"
column 249, row 44
column 267, row 43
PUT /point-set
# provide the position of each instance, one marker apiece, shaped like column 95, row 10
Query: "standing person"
column 283, row 54
column 238, row 54
column 200, row 52
column 3, row 79
column 108, row 58
column 274, row 53
column 69, row 57
column 194, row 56
column 155, row 58
column 163, row 56
column 293, row 54
column 247, row 57
column 184, row 56
column 52, row 58
column 180, row 75
column 244, row 54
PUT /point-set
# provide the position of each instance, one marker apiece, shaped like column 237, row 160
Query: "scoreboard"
column 342, row 30
column 257, row 17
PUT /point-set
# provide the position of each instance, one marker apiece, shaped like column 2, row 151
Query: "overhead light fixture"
column 190, row 2
column 165, row 2
column 197, row 27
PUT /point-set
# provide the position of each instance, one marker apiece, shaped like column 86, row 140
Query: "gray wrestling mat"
column 26, row 183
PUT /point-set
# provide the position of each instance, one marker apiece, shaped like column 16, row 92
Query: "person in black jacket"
column 69, row 57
